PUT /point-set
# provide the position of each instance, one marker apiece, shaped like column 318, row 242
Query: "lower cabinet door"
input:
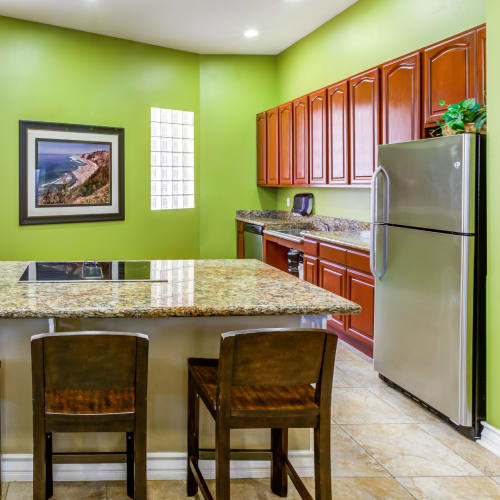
column 361, row 289
column 311, row 269
column 332, row 277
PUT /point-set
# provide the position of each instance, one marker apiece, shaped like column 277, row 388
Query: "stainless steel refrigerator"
column 428, row 255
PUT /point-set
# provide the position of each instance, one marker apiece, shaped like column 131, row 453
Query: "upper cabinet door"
column 301, row 141
column 449, row 74
column 401, row 100
column 317, row 137
column 481, row 64
column 338, row 133
column 261, row 148
column 273, row 147
column 364, row 105
column 286, row 144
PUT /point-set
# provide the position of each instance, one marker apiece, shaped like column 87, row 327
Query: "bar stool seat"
column 297, row 398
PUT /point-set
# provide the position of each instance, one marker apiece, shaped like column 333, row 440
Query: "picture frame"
column 70, row 173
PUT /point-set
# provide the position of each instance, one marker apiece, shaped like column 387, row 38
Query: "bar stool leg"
column 279, row 446
column 322, row 461
column 130, row 465
column 39, row 458
column 48, row 465
column 140, row 465
column 193, row 444
column 222, row 457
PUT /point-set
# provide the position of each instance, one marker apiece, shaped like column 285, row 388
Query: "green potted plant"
column 466, row 116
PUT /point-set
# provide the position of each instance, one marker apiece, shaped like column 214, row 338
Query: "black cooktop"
column 80, row 271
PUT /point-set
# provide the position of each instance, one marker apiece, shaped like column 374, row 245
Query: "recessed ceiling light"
column 251, row 33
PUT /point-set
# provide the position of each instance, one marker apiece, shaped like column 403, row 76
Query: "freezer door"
column 423, row 317
column 427, row 184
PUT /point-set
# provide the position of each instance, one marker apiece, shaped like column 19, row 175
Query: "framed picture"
column 70, row 173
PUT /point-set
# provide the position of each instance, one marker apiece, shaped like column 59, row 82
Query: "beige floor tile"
column 407, row 450
column 349, row 459
column 20, row 491
column 451, row 488
column 360, row 373
column 251, row 489
column 361, row 406
column 5, row 487
column 404, row 404
column 62, row 491
column 368, row 488
column 480, row 457
column 346, row 352
column 157, row 490
column 341, row 379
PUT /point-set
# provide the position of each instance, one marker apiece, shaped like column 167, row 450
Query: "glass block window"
column 172, row 159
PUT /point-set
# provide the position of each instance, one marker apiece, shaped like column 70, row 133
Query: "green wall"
column 59, row 75
column 493, row 187
column 75, row 77
column 233, row 89
column 366, row 34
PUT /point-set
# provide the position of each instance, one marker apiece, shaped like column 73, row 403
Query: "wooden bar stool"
column 263, row 379
column 89, row 382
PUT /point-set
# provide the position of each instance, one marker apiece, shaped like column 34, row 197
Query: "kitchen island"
column 183, row 317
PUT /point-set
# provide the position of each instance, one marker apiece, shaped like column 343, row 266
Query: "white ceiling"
column 205, row 26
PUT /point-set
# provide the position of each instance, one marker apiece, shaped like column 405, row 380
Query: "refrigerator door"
column 427, row 184
column 423, row 317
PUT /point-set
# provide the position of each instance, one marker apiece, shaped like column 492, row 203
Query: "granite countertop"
column 290, row 237
column 354, row 239
column 297, row 221
column 359, row 240
column 195, row 288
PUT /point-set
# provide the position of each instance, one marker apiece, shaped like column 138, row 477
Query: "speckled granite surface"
column 284, row 236
column 274, row 219
column 353, row 239
column 195, row 288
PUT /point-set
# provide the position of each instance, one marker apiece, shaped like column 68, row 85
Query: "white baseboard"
column 490, row 438
column 161, row 466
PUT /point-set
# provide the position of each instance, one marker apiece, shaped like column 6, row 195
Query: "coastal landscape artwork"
column 70, row 173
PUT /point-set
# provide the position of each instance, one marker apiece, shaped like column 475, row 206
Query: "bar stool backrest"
column 277, row 357
column 89, row 372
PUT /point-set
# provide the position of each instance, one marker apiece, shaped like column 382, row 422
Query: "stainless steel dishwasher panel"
column 253, row 241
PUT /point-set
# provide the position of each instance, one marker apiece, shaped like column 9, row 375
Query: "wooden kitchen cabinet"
column 286, row 144
column 317, row 137
column 364, row 123
column 449, row 74
column 338, row 133
column 261, row 148
column 361, row 289
column 481, row 64
column 332, row 277
column 301, row 141
column 330, row 137
column 401, row 100
column 273, row 147
column 311, row 269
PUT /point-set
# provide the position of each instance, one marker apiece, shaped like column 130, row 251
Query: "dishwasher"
column 252, row 234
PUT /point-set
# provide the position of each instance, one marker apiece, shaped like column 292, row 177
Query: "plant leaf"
column 442, row 102
column 468, row 103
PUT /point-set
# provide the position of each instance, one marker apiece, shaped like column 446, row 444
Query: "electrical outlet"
column 288, row 202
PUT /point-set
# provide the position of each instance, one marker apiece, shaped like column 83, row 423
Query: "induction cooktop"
column 84, row 271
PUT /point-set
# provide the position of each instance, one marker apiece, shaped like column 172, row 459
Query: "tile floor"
column 384, row 446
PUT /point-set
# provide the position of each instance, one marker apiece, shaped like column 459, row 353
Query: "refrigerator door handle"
column 375, row 221
column 373, row 246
